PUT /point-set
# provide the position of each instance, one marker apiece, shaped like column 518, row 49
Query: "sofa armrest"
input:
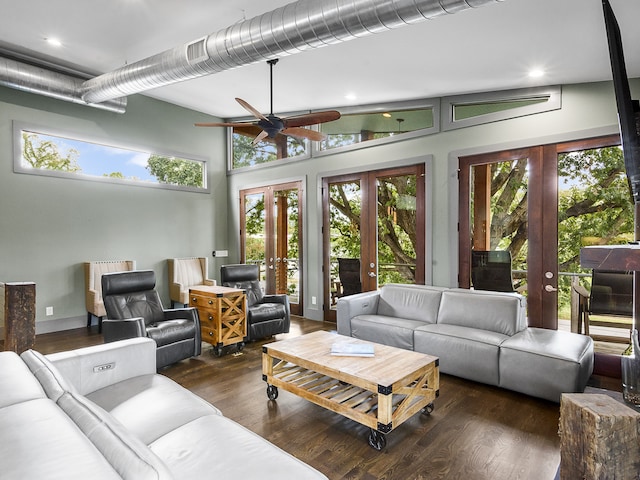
column 365, row 303
column 190, row 313
column 92, row 368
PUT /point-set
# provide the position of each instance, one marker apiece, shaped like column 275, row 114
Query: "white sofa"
column 477, row 335
column 102, row 412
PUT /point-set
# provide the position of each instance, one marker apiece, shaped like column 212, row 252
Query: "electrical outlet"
column 314, row 300
column 49, row 311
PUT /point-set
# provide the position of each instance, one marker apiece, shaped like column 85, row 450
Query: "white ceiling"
column 482, row 49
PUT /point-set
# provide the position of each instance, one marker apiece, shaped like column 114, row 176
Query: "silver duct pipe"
column 28, row 78
column 294, row 28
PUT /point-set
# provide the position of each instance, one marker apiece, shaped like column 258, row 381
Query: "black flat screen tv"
column 628, row 109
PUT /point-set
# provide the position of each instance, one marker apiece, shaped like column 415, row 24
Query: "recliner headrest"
column 238, row 273
column 125, row 282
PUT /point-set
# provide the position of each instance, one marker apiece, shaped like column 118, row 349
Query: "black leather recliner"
column 134, row 309
column 267, row 315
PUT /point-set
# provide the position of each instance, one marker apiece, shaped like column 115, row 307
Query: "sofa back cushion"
column 412, row 302
column 131, row 458
column 498, row 312
column 51, row 380
column 18, row 385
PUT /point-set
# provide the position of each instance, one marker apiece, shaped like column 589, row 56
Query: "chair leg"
column 99, row 324
column 88, row 319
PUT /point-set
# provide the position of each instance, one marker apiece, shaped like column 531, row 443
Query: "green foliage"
column 176, row 171
column 248, row 154
column 44, row 154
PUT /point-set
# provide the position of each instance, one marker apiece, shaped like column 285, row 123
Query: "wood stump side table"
column 223, row 315
column 18, row 315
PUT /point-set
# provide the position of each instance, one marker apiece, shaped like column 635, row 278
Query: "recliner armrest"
column 114, row 330
column 190, row 313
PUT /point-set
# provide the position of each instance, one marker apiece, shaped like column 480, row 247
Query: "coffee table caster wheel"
column 217, row 351
column 428, row 409
column 377, row 440
column 272, row 392
column 241, row 346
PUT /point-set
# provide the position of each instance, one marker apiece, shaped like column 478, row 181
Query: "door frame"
column 271, row 249
column 369, row 229
column 542, row 259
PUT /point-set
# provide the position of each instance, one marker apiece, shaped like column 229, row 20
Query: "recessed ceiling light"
column 351, row 96
column 536, row 73
column 386, row 115
column 54, row 42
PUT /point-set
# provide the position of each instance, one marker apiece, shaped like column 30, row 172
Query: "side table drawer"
column 200, row 301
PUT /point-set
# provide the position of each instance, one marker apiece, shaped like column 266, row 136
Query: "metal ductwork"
column 294, row 28
column 33, row 79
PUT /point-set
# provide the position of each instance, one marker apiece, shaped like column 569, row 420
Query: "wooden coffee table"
column 380, row 392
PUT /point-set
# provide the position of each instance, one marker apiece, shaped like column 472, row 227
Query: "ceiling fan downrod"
column 271, row 64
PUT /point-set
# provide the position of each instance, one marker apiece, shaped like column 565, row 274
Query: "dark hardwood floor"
column 475, row 432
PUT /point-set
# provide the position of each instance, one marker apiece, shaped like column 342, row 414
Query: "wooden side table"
column 18, row 315
column 223, row 315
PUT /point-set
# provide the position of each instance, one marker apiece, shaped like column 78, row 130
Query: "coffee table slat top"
column 387, row 367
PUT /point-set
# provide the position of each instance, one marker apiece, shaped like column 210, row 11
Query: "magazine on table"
column 352, row 349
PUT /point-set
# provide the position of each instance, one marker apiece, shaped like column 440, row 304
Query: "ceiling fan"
column 272, row 125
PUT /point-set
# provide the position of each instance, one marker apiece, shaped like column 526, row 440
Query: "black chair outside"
column 349, row 274
column 611, row 295
column 491, row 270
column 134, row 309
column 267, row 315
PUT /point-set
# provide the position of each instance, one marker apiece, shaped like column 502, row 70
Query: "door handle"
column 550, row 288
column 372, row 274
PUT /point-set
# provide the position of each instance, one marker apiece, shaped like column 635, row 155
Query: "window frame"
column 18, row 167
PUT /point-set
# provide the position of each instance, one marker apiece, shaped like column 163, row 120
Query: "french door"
column 271, row 237
column 509, row 201
column 373, row 221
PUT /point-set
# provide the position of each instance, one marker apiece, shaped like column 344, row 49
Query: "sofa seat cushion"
column 266, row 311
column 393, row 331
column 413, row 302
column 546, row 363
column 216, row 444
column 464, row 352
column 171, row 331
column 493, row 311
column 24, row 386
column 151, row 405
column 39, row 441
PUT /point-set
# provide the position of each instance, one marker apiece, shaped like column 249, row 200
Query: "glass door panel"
column 499, row 225
column 271, row 237
column 374, row 231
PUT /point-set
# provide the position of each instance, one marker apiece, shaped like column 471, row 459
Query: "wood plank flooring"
column 476, row 432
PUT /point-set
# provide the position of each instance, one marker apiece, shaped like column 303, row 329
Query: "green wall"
column 587, row 110
column 49, row 226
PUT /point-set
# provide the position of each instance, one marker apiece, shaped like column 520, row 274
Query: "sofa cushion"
column 464, row 352
column 497, row 312
column 230, row 453
column 393, row 331
column 46, row 373
column 412, row 302
column 151, row 405
column 40, row 442
column 127, row 454
column 546, row 363
column 23, row 385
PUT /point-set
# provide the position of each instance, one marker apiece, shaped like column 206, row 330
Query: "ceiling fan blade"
column 251, row 110
column 304, row 133
column 261, row 136
column 311, row 118
column 222, row 124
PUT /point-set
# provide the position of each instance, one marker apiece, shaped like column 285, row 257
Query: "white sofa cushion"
column 21, row 385
column 393, row 331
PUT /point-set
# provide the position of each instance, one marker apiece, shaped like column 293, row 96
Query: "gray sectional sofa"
column 103, row 413
column 478, row 335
